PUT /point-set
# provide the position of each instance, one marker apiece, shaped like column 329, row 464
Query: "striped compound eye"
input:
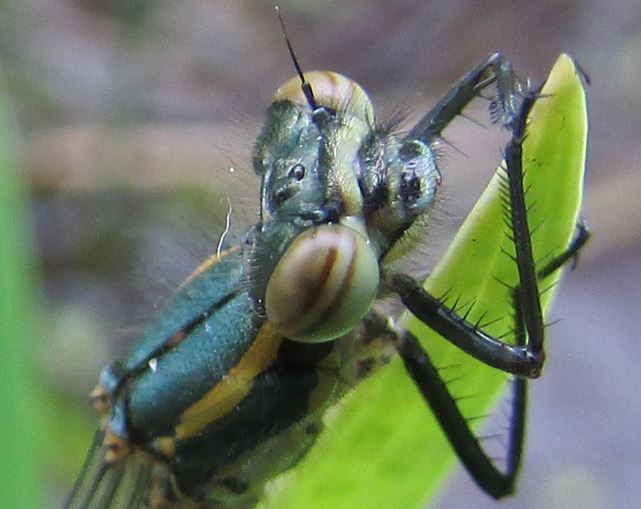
column 333, row 91
column 323, row 285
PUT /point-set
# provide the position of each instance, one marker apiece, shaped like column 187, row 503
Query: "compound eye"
column 333, row 92
column 323, row 285
column 297, row 172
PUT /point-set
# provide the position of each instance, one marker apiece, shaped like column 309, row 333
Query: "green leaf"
column 382, row 447
column 19, row 459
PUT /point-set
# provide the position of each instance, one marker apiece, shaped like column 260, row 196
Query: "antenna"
column 305, row 86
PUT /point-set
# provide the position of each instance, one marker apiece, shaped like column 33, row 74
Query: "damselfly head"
column 333, row 92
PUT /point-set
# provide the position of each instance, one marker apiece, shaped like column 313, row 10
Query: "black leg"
column 528, row 303
column 520, row 359
column 464, row 91
column 515, row 359
column 456, row 427
column 571, row 253
column 524, row 357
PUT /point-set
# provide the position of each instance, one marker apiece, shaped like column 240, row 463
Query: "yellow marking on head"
column 234, row 387
column 343, row 155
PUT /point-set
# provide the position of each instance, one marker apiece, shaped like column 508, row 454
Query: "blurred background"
column 124, row 118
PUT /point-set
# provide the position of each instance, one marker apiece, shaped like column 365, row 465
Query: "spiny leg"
column 461, row 333
column 529, row 302
column 570, row 253
column 456, row 426
column 467, row 336
column 522, row 360
column 453, row 423
column 580, row 239
column 464, row 91
column 493, row 481
column 515, row 359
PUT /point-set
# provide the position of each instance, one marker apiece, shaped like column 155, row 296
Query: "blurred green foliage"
column 20, row 465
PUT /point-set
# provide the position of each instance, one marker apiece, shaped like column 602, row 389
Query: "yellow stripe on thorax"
column 234, row 387
column 209, row 262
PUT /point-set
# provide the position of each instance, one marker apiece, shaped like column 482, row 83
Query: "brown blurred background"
column 131, row 112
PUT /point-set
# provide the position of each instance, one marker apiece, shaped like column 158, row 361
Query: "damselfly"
column 228, row 387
